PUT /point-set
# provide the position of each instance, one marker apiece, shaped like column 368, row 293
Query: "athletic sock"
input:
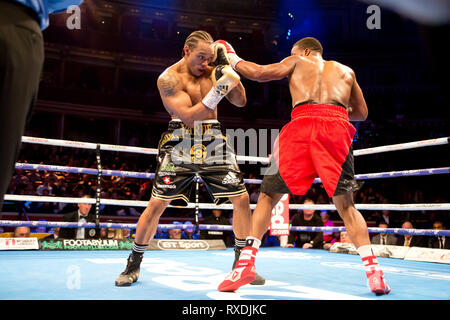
column 368, row 258
column 252, row 242
column 139, row 248
column 239, row 243
column 249, row 251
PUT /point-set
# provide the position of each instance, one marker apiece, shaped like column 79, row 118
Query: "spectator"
column 438, row 242
column 44, row 189
column 108, row 233
column 254, row 195
column 305, row 239
column 344, row 238
column 21, row 232
column 409, row 240
column 81, row 215
column 45, row 207
column 34, row 177
column 217, row 218
column 386, row 217
column 384, row 238
column 55, row 232
column 189, row 233
column 160, row 234
column 270, row 241
column 121, row 234
column 40, row 229
column 328, row 237
column 175, row 233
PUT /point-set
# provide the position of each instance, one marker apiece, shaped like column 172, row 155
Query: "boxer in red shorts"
column 317, row 142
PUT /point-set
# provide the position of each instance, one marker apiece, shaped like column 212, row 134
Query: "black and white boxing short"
column 184, row 151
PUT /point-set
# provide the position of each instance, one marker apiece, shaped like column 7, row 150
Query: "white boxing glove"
column 224, row 79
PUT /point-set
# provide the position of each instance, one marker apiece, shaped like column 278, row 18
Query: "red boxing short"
column 317, row 142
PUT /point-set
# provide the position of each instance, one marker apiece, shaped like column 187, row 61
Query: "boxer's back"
column 322, row 81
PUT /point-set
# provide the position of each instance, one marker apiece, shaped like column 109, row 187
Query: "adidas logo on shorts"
column 231, row 178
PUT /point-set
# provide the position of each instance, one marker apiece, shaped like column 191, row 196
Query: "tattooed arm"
column 177, row 102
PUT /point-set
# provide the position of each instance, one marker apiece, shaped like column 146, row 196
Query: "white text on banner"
column 279, row 223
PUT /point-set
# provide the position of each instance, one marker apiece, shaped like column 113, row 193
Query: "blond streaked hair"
column 194, row 37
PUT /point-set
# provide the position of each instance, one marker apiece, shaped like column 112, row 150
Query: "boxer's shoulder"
column 342, row 67
column 168, row 82
column 293, row 59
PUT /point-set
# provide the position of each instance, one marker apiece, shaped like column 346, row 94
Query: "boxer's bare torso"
column 319, row 80
column 176, row 79
column 313, row 78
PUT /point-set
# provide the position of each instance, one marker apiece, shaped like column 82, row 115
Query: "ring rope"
column 402, row 146
column 197, row 203
column 16, row 223
column 139, row 203
column 110, row 147
column 147, row 175
column 99, row 183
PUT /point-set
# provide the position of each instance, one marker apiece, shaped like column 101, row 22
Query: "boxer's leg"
column 354, row 222
column 356, row 228
column 262, row 214
column 145, row 230
column 148, row 221
column 241, row 215
column 242, row 220
column 244, row 271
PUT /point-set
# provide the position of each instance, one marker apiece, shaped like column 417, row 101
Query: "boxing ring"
column 291, row 273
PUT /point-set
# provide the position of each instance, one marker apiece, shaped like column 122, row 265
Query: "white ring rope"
column 150, row 175
column 137, row 203
column 402, row 146
column 265, row 160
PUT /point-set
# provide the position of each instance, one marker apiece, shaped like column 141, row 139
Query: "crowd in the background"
column 62, row 184
column 379, row 191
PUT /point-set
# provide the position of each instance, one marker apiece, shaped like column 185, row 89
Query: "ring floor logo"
column 190, row 278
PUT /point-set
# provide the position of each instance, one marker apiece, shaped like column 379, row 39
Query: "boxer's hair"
column 194, row 37
column 310, row 43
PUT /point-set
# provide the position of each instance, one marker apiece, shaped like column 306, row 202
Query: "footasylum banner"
column 127, row 244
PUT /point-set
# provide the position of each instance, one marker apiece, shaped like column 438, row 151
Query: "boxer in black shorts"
column 194, row 144
column 181, row 156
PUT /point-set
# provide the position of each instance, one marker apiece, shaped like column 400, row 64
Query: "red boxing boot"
column 375, row 276
column 243, row 273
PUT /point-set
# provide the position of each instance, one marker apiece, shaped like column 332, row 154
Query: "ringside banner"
column 279, row 223
column 19, row 243
column 127, row 244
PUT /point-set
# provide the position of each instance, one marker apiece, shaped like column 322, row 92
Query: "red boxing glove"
column 231, row 53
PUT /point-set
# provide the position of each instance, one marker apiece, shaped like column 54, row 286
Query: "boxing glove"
column 224, row 79
column 233, row 58
column 220, row 54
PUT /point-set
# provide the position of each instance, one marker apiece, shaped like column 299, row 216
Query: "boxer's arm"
column 357, row 103
column 269, row 72
column 237, row 96
column 177, row 101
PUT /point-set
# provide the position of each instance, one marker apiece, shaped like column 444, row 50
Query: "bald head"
column 21, row 232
